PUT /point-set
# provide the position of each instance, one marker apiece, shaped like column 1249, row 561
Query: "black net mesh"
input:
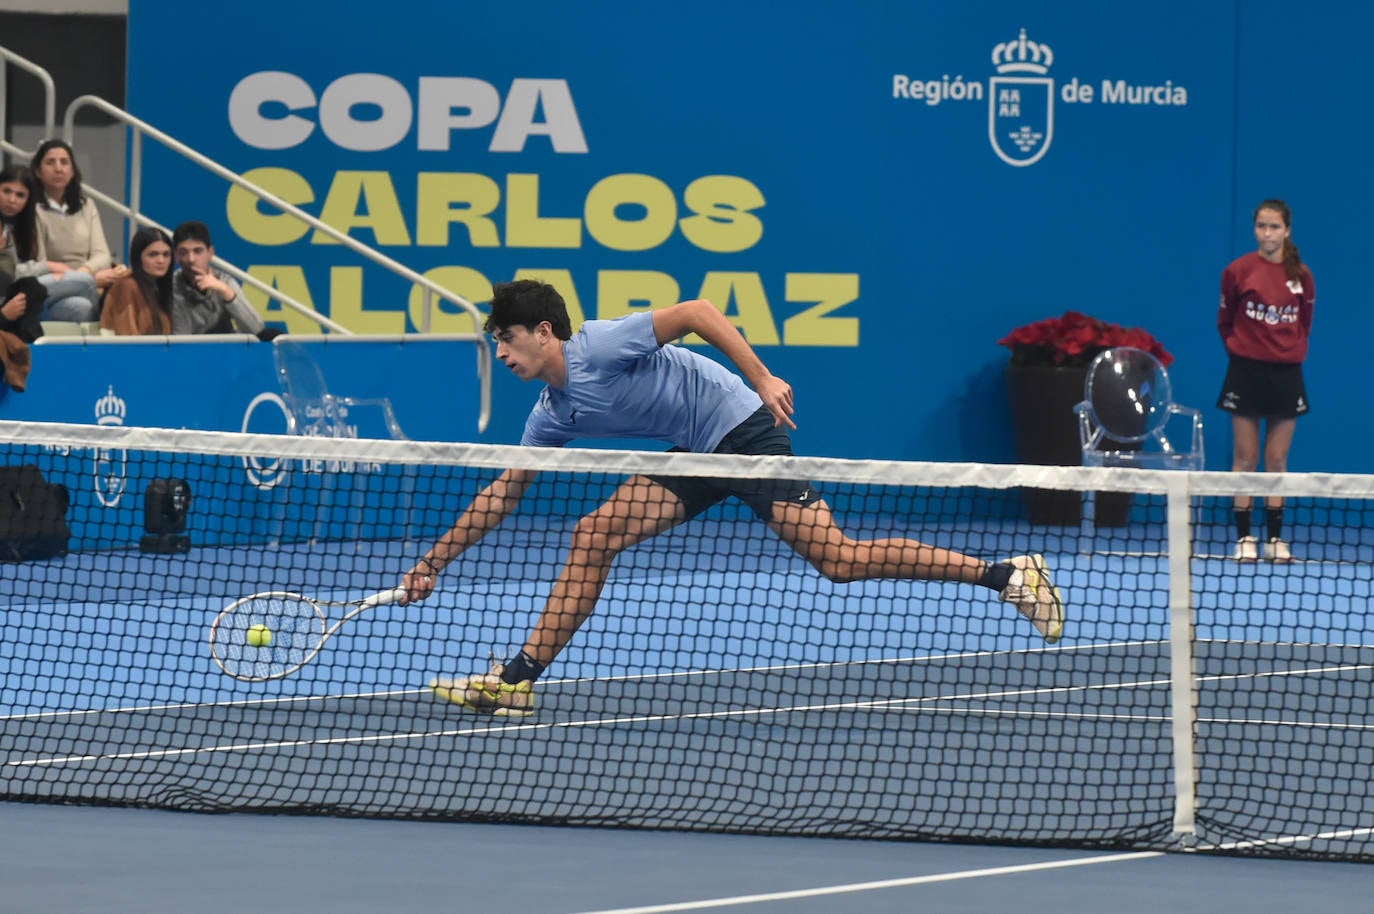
column 723, row 683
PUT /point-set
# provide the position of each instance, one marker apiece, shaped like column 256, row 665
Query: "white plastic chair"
column 1126, row 416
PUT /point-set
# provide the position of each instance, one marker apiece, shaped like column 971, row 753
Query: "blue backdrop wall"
column 876, row 192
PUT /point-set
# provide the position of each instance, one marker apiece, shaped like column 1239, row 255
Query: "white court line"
column 675, row 674
column 898, row 704
column 738, row 713
column 886, row 661
column 1286, row 840
column 735, row 713
column 1301, row 671
column 188, row 706
column 874, row 886
column 1226, row 557
column 688, row 674
column 637, row 677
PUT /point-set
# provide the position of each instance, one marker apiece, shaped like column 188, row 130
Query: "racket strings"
column 267, row 636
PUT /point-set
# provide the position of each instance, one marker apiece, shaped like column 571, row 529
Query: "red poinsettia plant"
column 1075, row 339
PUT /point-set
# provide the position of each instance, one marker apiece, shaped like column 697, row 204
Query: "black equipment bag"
column 33, row 516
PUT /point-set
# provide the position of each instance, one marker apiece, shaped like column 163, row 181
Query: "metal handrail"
column 49, row 97
column 135, row 182
column 432, row 289
column 138, row 219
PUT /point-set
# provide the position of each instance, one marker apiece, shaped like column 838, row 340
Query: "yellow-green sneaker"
column 488, row 693
column 1034, row 595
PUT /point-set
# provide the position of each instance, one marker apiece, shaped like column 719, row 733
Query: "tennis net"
column 723, row 683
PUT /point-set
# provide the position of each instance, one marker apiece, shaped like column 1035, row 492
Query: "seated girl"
column 140, row 304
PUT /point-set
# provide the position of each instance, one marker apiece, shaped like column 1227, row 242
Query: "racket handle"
column 384, row 598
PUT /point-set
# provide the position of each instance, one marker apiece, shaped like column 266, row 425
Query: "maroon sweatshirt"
column 1264, row 315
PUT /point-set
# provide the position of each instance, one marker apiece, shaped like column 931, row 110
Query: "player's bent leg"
column 638, row 510
column 812, row 532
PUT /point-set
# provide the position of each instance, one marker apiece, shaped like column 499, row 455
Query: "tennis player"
column 621, row 379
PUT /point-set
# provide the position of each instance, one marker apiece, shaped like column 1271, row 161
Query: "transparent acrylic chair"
column 311, row 409
column 1126, row 417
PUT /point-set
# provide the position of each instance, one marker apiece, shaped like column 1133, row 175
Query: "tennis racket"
column 273, row 634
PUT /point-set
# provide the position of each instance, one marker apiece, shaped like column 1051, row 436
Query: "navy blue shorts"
column 756, row 435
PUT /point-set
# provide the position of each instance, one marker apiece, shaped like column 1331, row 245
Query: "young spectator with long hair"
column 21, row 249
column 21, row 256
column 1267, row 299
column 71, row 234
column 140, row 304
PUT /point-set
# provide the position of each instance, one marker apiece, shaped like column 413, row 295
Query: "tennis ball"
column 259, row 635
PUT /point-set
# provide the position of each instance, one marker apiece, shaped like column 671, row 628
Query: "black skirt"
column 1263, row 390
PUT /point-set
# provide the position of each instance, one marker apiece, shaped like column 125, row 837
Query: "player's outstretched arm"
column 706, row 320
column 488, row 509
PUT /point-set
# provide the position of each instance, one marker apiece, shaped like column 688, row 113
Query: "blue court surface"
column 127, row 861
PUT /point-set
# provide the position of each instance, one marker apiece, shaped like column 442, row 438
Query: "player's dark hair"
column 157, row 290
column 1292, row 261
column 73, row 197
column 527, row 303
column 191, row 231
column 23, row 225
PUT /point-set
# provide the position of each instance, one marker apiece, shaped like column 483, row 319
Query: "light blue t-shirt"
column 623, row 384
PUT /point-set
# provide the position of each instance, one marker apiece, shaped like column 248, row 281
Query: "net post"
column 1182, row 673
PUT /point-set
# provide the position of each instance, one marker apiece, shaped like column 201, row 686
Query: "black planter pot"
column 1045, row 428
